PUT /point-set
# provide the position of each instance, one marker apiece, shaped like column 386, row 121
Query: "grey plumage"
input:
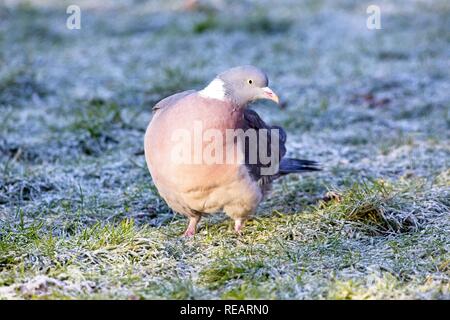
column 291, row 165
column 286, row 165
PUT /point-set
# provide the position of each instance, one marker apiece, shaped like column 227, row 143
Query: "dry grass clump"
column 379, row 207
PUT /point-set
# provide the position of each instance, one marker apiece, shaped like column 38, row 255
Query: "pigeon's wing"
column 264, row 137
column 171, row 99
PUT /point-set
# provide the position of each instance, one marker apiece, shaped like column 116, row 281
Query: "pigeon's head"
column 242, row 85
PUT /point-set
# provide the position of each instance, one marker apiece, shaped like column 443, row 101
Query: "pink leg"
column 238, row 224
column 192, row 227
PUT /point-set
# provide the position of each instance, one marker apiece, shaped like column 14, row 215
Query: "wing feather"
column 170, row 100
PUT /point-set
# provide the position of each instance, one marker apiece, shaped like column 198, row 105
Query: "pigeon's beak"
column 269, row 94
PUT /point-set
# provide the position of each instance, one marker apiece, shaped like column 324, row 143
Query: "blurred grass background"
column 80, row 218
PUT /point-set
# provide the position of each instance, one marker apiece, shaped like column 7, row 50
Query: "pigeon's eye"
column 250, row 81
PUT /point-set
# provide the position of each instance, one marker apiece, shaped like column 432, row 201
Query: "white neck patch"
column 214, row 90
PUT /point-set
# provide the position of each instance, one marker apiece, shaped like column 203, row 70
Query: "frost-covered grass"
column 80, row 217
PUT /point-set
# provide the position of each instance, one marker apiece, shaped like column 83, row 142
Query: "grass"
column 257, row 23
column 324, row 238
column 81, row 219
column 18, row 85
column 172, row 80
column 379, row 208
column 95, row 118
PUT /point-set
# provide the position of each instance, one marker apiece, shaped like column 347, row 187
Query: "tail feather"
column 291, row 165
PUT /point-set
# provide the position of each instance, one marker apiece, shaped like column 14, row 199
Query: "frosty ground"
column 80, row 217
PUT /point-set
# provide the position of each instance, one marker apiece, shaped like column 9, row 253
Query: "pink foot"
column 238, row 224
column 192, row 227
column 189, row 233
